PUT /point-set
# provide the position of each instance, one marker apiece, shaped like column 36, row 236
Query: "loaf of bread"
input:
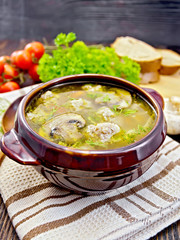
column 144, row 54
column 170, row 61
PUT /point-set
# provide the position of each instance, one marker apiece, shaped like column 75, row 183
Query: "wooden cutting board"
column 167, row 86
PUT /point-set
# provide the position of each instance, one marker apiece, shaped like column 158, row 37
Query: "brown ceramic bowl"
column 81, row 170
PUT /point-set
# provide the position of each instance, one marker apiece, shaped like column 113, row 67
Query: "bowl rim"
column 80, row 77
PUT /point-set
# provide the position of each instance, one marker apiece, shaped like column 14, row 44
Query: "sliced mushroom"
column 65, row 127
column 120, row 98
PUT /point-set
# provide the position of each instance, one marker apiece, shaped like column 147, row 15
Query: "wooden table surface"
column 7, row 231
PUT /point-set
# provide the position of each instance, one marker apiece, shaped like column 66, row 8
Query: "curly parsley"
column 80, row 58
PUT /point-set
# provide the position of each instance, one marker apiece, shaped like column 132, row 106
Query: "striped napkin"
column 40, row 210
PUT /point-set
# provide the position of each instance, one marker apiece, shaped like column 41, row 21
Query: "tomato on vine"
column 35, row 49
column 18, row 64
column 1, row 79
column 1, row 68
column 5, row 59
column 22, row 59
column 9, row 86
column 9, row 72
column 33, row 72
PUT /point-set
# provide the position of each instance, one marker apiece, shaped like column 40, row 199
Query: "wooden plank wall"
column 99, row 21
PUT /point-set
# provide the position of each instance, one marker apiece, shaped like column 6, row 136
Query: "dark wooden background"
column 99, row 21
column 94, row 21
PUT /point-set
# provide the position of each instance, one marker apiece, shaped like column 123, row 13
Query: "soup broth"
column 90, row 116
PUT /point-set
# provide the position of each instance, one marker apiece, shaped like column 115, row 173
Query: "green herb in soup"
column 90, row 116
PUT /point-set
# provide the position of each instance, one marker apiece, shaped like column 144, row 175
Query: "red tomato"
column 1, row 79
column 9, row 86
column 33, row 72
column 1, row 68
column 5, row 59
column 9, row 71
column 21, row 59
column 14, row 56
column 36, row 49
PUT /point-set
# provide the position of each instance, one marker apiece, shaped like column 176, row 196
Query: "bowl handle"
column 159, row 99
column 12, row 147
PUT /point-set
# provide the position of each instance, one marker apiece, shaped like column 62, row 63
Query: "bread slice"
column 144, row 54
column 170, row 61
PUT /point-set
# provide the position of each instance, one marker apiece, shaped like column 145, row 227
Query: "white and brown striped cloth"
column 41, row 211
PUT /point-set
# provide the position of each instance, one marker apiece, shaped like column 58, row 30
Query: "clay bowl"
column 81, row 170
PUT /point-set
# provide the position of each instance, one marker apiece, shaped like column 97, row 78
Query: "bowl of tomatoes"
column 20, row 65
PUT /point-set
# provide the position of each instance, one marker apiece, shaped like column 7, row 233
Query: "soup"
column 90, row 116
